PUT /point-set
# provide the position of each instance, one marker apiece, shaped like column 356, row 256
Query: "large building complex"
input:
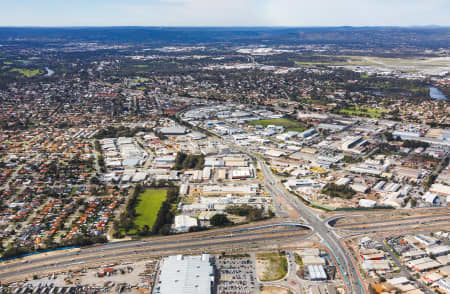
column 186, row 275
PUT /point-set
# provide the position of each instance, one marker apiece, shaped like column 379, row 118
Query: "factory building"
column 173, row 131
column 317, row 273
column 186, row 274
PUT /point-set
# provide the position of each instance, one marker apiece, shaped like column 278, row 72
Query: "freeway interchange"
column 330, row 240
column 245, row 236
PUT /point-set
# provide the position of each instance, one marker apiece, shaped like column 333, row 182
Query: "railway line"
column 114, row 251
column 333, row 220
column 391, row 226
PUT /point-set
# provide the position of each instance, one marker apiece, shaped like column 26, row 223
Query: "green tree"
column 219, row 220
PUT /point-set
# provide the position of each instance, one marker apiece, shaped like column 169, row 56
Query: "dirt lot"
column 274, row 290
column 364, row 217
column 270, row 266
column 132, row 274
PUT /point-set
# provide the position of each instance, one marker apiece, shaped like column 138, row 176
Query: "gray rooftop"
column 186, row 275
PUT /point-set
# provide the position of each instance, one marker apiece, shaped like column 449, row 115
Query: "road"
column 241, row 235
column 319, row 226
column 342, row 257
column 404, row 270
column 331, row 221
column 393, row 224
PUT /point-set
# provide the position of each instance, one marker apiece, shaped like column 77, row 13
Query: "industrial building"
column 317, row 273
column 173, row 131
column 186, row 274
column 183, row 223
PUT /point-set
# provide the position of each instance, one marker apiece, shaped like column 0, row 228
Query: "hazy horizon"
column 232, row 13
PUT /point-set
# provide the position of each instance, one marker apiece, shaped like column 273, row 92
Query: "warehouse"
column 414, row 254
column 187, row 275
column 219, row 190
column 445, row 259
column 317, row 273
column 343, row 181
column 307, row 133
column 423, row 264
column 438, row 250
column 206, row 174
column 350, row 142
column 183, row 223
column 377, row 265
column 173, row 131
column 332, row 127
column 184, row 190
column 313, row 260
column 367, row 203
column 242, row 173
column 214, row 162
column 360, row 188
column 440, row 189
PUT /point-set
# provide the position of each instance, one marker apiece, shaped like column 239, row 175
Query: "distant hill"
column 345, row 37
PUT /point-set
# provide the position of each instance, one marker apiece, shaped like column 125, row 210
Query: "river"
column 49, row 72
column 437, row 94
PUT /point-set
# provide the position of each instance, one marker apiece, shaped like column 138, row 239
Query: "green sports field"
column 288, row 124
column 29, row 73
column 363, row 111
column 150, row 202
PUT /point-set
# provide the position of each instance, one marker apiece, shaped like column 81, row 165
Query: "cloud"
column 357, row 12
column 225, row 12
column 196, row 13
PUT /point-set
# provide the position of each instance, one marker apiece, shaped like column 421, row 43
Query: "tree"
column 219, row 220
column 95, row 181
column 144, row 231
column 165, row 230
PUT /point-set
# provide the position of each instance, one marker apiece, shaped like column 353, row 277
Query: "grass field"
column 29, row 73
column 141, row 65
column 271, row 266
column 363, row 111
column 298, row 259
column 288, row 124
column 150, row 202
column 141, row 80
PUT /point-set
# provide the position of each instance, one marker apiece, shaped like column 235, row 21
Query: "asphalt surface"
column 319, row 226
column 382, row 221
column 393, row 226
column 114, row 251
column 231, row 236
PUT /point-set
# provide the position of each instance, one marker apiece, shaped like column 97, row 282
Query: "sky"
column 293, row 13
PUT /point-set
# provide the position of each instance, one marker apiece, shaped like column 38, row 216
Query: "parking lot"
column 235, row 275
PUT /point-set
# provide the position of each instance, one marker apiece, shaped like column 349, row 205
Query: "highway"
column 108, row 253
column 337, row 217
column 343, row 259
column 265, row 233
column 319, row 226
column 392, row 224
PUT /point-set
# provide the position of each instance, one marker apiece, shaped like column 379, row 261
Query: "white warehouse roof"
column 186, row 274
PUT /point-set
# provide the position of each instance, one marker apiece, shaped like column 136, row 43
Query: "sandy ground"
column 134, row 275
column 274, row 290
column 264, row 268
column 364, row 217
column 260, row 267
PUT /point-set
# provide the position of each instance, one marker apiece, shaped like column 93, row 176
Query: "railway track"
column 63, row 263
